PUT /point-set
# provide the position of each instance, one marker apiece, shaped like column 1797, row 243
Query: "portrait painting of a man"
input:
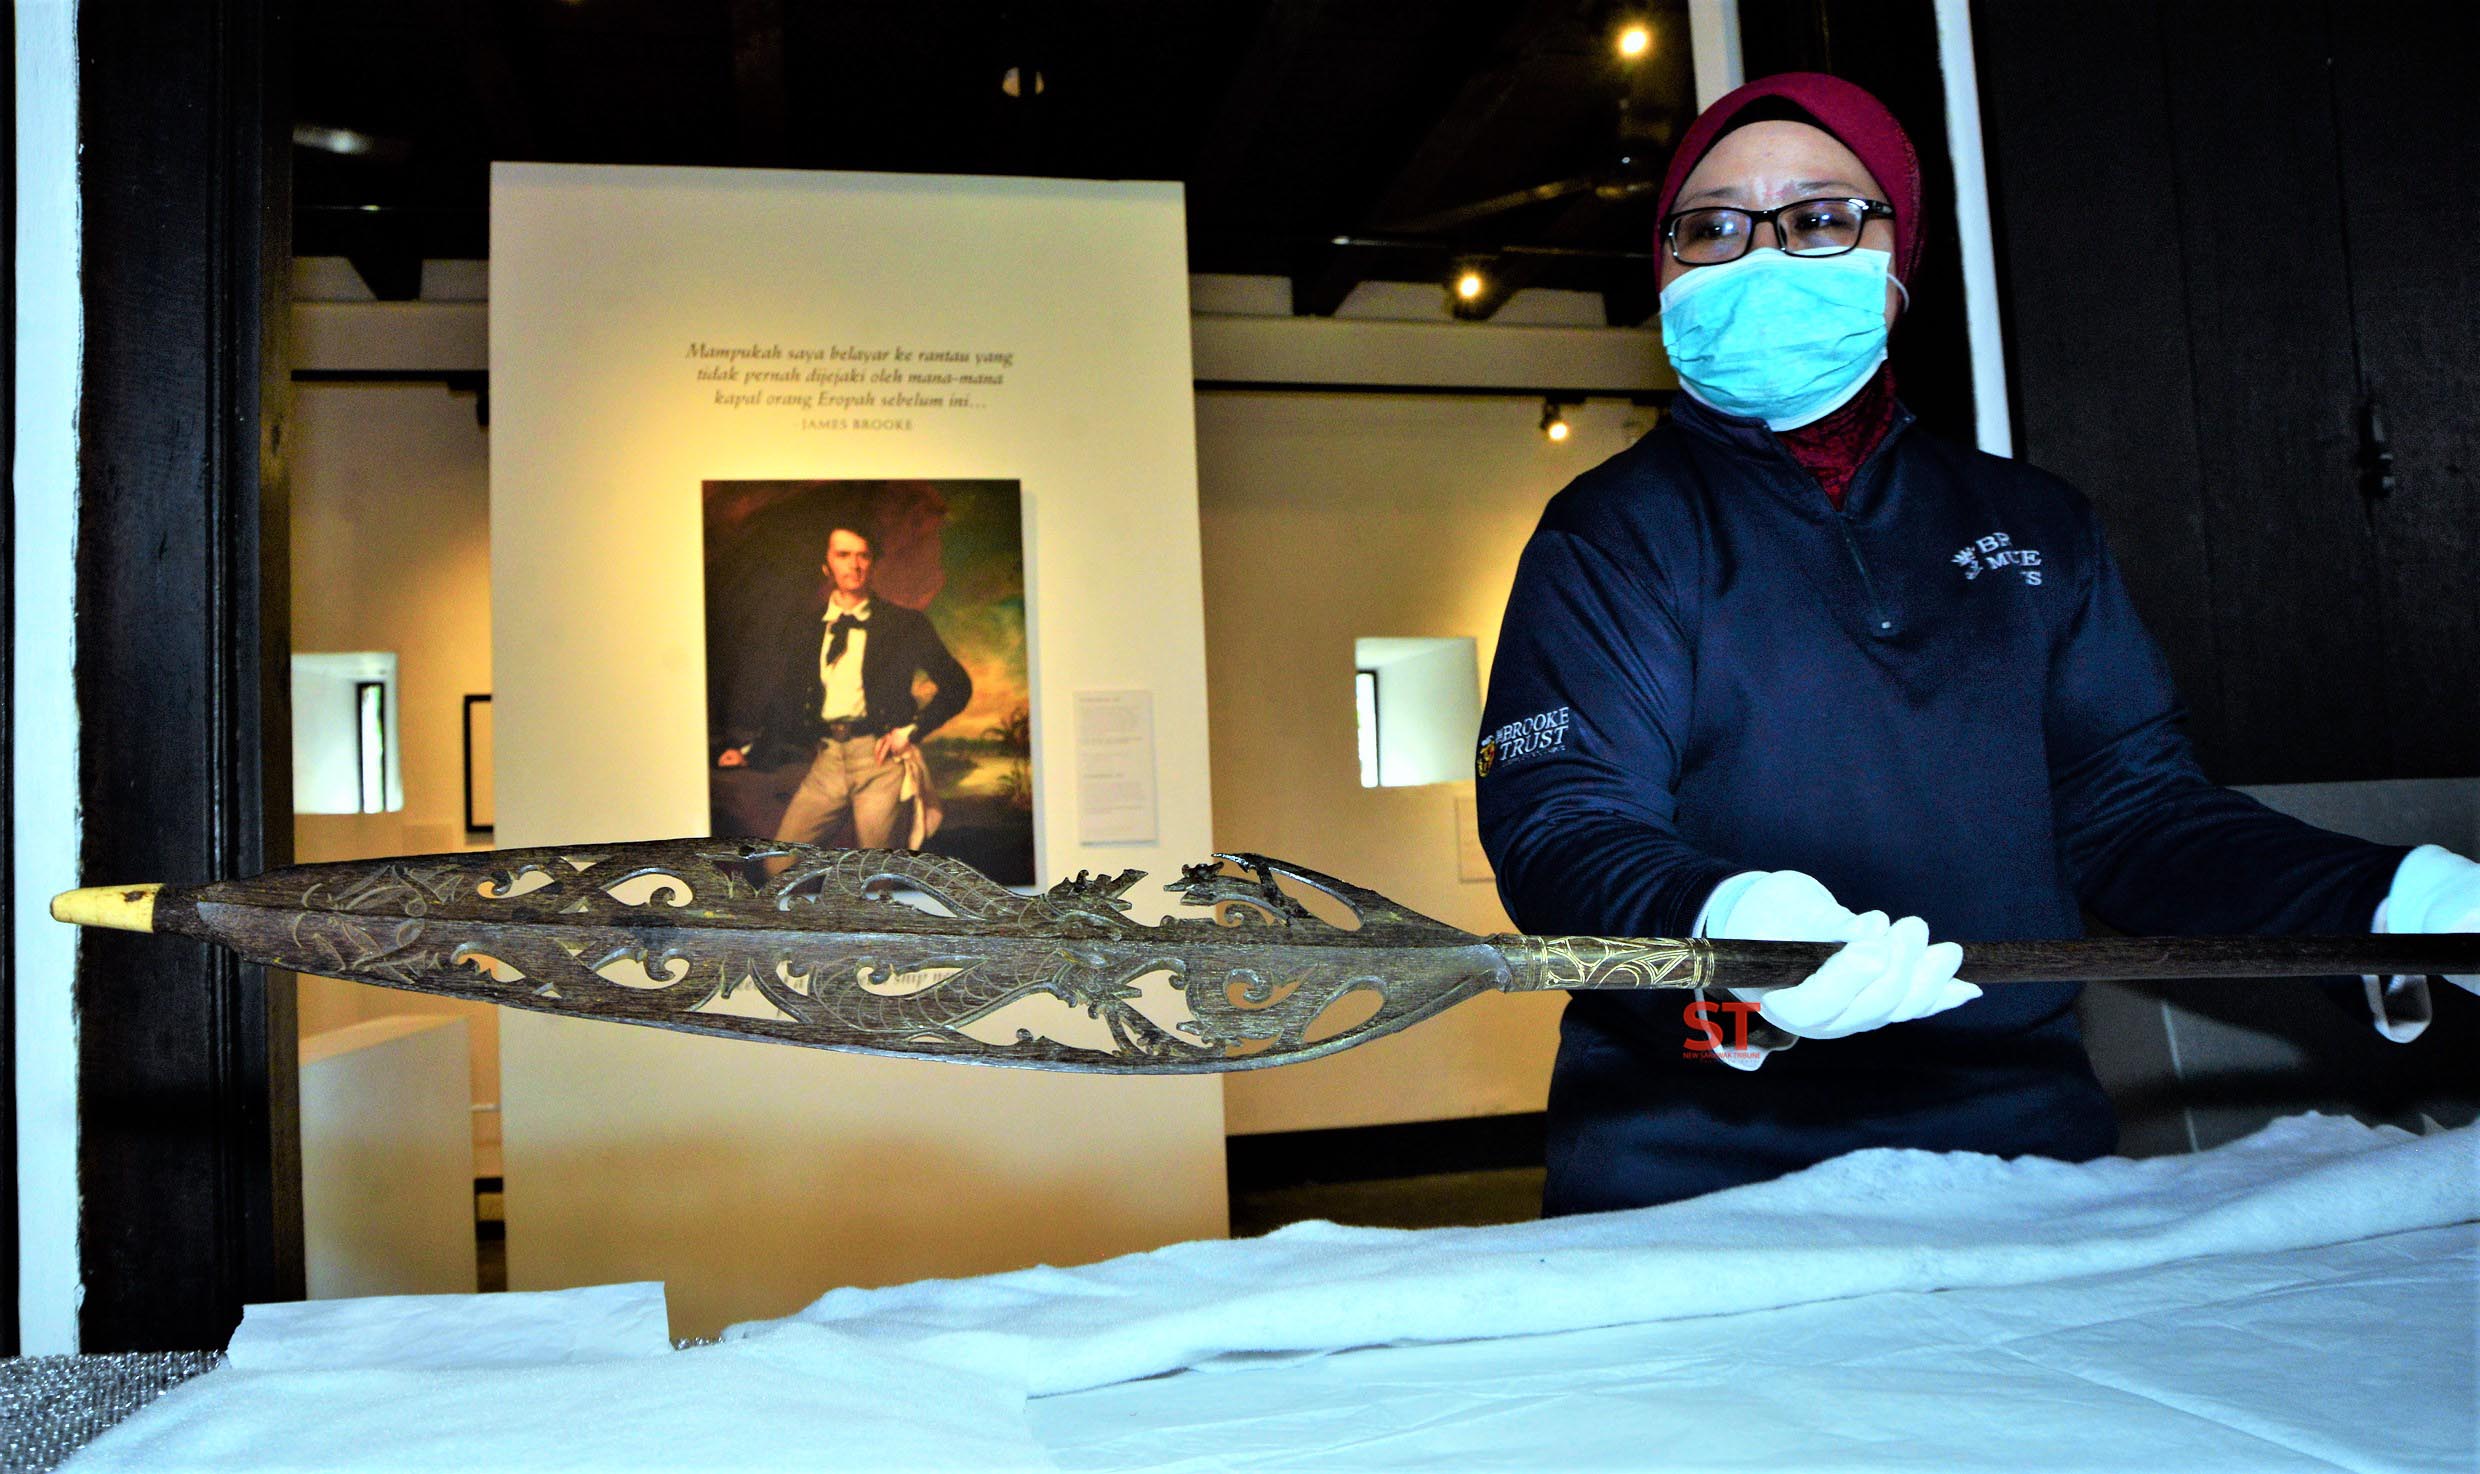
column 866, row 671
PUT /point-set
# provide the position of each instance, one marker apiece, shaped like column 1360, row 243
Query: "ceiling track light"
column 1554, row 426
column 1634, row 38
column 1467, row 284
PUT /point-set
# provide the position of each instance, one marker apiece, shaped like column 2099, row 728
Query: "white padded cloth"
column 2353, row 1356
column 800, row 1398
column 1869, row 1223
column 2301, row 1299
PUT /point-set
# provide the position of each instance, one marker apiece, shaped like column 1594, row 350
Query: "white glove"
column 1886, row 973
column 2435, row 890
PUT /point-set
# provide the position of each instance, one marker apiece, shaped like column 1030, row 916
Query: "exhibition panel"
column 675, row 355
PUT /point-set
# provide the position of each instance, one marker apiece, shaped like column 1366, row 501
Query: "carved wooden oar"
column 849, row 949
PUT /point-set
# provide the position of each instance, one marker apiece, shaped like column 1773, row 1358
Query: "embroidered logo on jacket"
column 1526, row 737
column 1996, row 552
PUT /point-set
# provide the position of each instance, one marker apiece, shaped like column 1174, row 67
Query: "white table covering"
column 2352, row 1356
column 2302, row 1299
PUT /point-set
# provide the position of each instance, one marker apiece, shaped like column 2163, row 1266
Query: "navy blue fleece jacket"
column 1938, row 700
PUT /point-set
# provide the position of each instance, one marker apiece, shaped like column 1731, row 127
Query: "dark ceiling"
column 1292, row 122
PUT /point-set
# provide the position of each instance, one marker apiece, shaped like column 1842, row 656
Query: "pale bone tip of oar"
column 120, row 907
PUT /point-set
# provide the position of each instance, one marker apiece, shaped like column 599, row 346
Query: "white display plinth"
column 752, row 1177
column 387, row 1159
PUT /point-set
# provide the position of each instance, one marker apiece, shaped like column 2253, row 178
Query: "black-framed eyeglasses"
column 1714, row 234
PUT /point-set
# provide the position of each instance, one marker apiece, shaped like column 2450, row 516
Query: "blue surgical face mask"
column 1783, row 339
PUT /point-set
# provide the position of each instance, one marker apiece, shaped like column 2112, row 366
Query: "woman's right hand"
column 1887, row 972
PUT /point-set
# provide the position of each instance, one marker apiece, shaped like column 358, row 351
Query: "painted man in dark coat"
column 844, row 699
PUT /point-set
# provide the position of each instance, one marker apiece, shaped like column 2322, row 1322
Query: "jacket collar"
column 1731, row 432
column 1750, row 439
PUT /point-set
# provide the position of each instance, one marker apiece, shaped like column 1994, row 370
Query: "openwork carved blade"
column 891, row 952
column 894, row 952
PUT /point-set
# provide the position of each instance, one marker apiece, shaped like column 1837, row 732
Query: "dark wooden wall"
column 2234, row 239
column 189, row 1161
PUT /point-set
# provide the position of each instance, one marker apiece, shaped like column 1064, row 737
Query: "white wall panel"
column 752, row 1177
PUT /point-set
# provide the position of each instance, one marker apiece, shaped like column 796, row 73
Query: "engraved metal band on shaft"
column 1544, row 964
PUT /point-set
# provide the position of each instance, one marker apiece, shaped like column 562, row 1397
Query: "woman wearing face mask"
column 1790, row 667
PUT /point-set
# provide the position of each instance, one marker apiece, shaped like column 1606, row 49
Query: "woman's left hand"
column 2436, row 890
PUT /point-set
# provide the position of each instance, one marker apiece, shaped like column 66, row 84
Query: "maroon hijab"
column 1830, row 449
column 1849, row 112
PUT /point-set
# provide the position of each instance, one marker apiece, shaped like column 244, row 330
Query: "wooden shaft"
column 2137, row 959
column 1546, row 963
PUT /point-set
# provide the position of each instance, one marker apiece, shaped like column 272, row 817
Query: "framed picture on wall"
column 866, row 669
column 480, row 805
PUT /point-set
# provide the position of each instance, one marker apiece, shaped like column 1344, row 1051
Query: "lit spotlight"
column 332, row 140
column 1635, row 40
column 1472, row 287
column 351, row 143
column 1554, row 421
